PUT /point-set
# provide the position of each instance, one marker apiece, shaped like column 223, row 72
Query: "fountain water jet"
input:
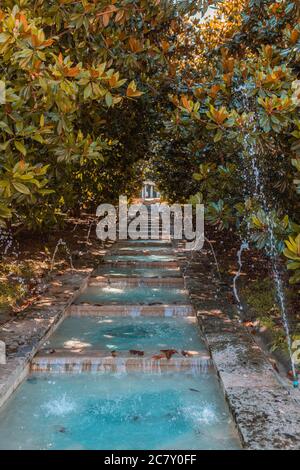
column 254, row 172
column 244, row 246
column 89, row 230
column 61, row 242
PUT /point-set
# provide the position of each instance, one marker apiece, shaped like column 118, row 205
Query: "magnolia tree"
column 238, row 111
column 78, row 85
column 90, row 89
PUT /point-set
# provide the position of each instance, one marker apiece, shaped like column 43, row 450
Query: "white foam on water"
column 205, row 415
column 135, row 312
column 59, row 407
column 113, row 290
column 169, row 311
column 76, row 343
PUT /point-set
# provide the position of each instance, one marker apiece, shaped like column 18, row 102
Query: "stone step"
column 104, row 281
column 175, row 310
column 141, row 251
column 145, row 264
column 113, row 272
column 72, row 361
column 144, row 243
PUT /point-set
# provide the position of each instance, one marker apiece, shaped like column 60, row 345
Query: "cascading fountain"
column 244, row 246
column 252, row 175
column 61, row 242
column 59, row 363
column 214, row 255
column 89, row 231
column 193, row 251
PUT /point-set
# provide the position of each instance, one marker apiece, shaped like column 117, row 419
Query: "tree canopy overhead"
column 237, row 112
column 91, row 89
column 79, row 81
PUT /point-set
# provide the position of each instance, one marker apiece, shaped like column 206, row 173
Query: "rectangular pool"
column 136, row 271
column 142, row 249
column 140, row 258
column 142, row 295
column 116, row 411
column 122, row 334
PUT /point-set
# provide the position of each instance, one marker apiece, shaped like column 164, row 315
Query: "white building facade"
column 149, row 190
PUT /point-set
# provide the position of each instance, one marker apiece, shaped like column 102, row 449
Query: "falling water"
column 247, row 176
column 193, row 251
column 8, row 243
column 253, row 174
column 120, row 365
column 272, row 251
column 214, row 255
column 89, row 231
column 244, row 246
column 135, row 312
column 2, row 353
column 61, row 243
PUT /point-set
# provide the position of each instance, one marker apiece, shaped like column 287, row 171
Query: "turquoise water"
column 122, row 410
column 108, row 411
column 140, row 258
column 150, row 249
column 135, row 271
column 131, row 295
column 123, row 334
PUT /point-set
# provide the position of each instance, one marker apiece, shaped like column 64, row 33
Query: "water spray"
column 244, row 246
column 61, row 242
column 253, row 172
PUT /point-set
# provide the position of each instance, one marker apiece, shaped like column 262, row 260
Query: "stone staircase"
column 133, row 256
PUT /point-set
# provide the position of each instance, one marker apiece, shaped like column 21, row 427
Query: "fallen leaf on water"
column 135, row 352
column 189, row 353
column 158, row 357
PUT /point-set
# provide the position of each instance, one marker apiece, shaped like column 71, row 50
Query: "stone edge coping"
column 264, row 411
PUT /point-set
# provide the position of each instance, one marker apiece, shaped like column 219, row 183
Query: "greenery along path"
column 92, row 92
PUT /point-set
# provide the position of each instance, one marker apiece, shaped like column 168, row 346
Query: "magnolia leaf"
column 21, row 188
column 20, row 146
column 108, row 99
